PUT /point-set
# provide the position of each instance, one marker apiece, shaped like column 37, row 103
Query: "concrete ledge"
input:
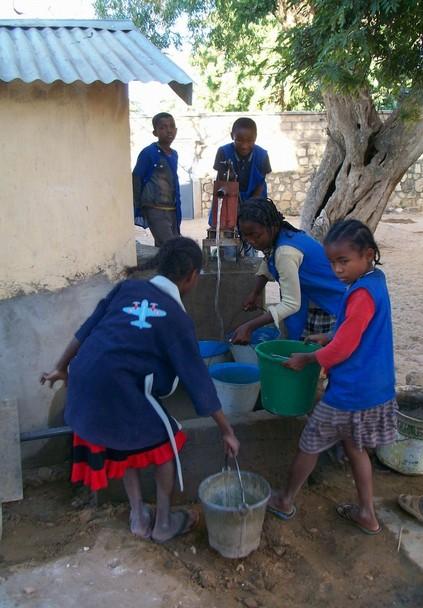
column 268, row 444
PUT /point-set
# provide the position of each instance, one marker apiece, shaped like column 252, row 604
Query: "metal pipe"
column 57, row 431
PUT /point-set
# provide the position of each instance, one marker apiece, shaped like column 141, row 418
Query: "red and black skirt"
column 94, row 465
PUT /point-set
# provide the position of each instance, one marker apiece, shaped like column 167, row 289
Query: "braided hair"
column 263, row 211
column 357, row 234
column 176, row 259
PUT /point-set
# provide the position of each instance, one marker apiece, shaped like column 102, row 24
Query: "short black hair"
column 176, row 259
column 158, row 117
column 244, row 123
column 356, row 233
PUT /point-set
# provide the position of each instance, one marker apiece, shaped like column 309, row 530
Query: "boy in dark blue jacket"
column 250, row 162
column 157, row 201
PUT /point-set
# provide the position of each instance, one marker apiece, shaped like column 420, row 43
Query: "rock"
column 250, row 602
column 409, row 396
column 415, row 378
column 86, row 515
column 45, row 473
column 279, row 550
column 206, row 579
column 29, row 590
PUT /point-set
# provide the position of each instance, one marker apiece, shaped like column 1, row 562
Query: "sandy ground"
column 61, row 552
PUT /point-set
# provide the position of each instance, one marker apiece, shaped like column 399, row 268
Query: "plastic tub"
column 237, row 386
column 214, row 351
column 234, row 531
column 246, row 353
column 284, row 391
column 405, row 455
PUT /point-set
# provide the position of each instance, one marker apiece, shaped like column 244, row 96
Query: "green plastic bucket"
column 284, row 391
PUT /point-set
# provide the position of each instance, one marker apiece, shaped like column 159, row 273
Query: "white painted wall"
column 66, row 193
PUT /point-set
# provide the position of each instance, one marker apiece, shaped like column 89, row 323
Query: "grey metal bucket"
column 234, row 531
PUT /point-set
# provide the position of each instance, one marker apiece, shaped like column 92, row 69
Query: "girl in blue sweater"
column 358, row 406
column 294, row 259
column 127, row 356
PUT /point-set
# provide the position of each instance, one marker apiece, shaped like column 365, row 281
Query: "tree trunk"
column 364, row 160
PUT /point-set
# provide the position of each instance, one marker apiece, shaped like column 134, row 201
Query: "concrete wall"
column 66, row 193
column 66, row 227
column 295, row 142
column 34, row 329
column 268, row 444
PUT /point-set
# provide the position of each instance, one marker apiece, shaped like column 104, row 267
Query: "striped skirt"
column 368, row 428
column 94, row 465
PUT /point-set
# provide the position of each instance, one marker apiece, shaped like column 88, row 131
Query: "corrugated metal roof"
column 86, row 51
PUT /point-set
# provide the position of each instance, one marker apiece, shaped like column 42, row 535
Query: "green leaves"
column 298, row 46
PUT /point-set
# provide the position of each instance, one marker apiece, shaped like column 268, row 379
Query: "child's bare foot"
column 367, row 523
column 141, row 521
column 180, row 522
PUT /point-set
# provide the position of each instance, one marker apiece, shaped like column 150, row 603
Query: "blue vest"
column 256, row 176
column 147, row 160
column 367, row 378
column 318, row 282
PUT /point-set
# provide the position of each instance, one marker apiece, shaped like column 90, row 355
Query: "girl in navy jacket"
column 358, row 406
column 127, row 355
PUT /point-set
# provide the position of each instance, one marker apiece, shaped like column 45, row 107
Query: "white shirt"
column 169, row 287
column 287, row 261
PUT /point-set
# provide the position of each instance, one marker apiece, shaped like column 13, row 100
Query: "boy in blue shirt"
column 157, row 201
column 250, row 162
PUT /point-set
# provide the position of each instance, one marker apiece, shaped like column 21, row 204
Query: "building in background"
column 66, row 191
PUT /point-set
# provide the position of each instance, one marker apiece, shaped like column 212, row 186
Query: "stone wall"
column 295, row 142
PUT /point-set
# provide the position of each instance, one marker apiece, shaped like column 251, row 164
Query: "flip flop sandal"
column 282, row 514
column 345, row 513
column 185, row 526
column 411, row 504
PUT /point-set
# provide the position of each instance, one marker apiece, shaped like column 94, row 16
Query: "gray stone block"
column 10, row 452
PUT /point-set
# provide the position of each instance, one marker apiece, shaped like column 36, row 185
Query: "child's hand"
column 250, row 302
column 231, row 444
column 321, row 339
column 241, row 335
column 298, row 361
column 54, row 376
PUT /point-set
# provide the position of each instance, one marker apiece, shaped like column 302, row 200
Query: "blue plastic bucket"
column 214, row 351
column 245, row 353
column 237, row 386
column 264, row 334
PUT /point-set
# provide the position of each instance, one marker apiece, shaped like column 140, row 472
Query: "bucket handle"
column 243, row 507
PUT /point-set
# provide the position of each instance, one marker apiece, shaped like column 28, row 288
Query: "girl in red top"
column 358, row 406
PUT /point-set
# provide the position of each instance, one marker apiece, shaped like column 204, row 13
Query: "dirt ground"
column 57, row 550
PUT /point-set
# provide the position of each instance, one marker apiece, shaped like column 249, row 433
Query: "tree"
column 355, row 56
column 155, row 18
column 354, row 52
